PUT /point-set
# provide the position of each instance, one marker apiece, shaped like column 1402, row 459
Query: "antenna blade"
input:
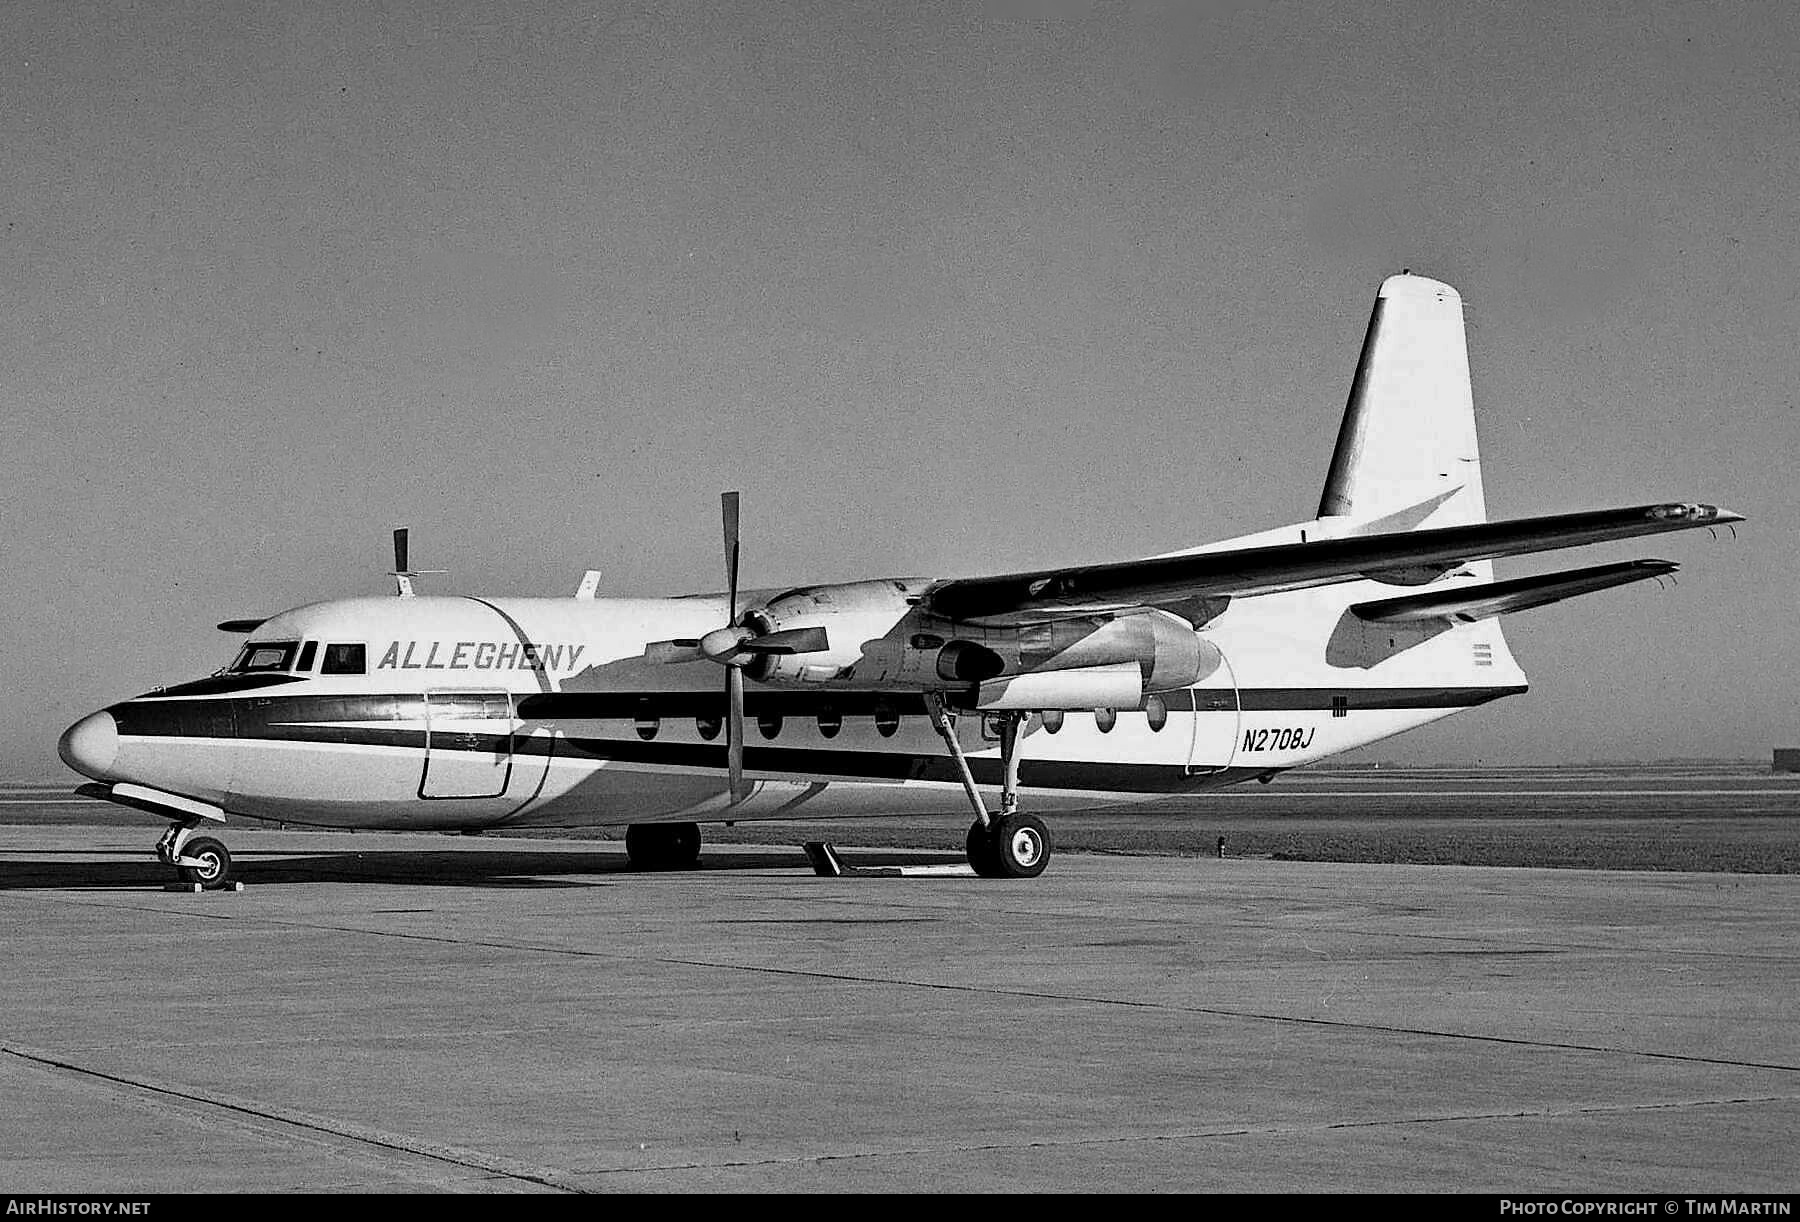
column 400, row 551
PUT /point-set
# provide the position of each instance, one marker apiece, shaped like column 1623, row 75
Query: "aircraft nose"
column 90, row 745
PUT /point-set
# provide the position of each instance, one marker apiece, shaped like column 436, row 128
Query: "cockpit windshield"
column 262, row 656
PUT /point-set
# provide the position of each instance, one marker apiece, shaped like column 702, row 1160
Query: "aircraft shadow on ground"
column 501, row 868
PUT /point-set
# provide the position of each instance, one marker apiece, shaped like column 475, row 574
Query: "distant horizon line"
column 1669, row 761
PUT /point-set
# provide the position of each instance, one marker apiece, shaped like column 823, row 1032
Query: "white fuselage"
column 466, row 713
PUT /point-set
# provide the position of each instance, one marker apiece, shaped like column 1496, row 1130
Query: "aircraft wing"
column 1411, row 557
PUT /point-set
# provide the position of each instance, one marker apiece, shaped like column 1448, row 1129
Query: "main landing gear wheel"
column 663, row 846
column 1011, row 846
column 212, row 868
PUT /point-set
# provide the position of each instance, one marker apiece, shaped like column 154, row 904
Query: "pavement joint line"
column 1027, row 994
column 1204, row 1134
column 1516, row 948
column 473, row 1160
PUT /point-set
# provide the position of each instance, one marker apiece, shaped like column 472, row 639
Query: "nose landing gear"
column 198, row 860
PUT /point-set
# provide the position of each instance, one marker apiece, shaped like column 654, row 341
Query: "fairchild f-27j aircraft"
column 1168, row 675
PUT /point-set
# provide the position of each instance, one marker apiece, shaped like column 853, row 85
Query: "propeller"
column 734, row 675
column 734, row 646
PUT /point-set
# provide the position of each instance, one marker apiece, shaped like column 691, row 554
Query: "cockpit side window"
column 351, row 659
column 306, row 656
column 263, row 656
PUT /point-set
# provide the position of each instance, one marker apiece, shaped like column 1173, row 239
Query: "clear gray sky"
column 944, row 288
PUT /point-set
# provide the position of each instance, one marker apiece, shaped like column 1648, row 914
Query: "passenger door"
column 468, row 745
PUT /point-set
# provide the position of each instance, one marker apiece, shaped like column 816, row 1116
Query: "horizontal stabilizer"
column 1471, row 603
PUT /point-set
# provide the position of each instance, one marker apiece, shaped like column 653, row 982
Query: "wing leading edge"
column 1402, row 558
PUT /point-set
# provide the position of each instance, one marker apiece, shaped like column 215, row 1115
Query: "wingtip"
column 1695, row 514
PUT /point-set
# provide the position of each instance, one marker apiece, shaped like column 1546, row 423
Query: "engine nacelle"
column 859, row 618
column 1089, row 687
column 1165, row 649
column 876, row 636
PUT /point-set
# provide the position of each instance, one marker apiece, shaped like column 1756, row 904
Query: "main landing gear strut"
column 198, row 860
column 1009, row 844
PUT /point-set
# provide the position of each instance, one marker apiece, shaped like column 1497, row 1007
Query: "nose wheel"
column 211, row 867
column 198, row 860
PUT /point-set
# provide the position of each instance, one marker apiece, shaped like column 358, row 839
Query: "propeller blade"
column 682, row 649
column 734, row 734
column 728, row 504
column 793, row 640
column 719, row 638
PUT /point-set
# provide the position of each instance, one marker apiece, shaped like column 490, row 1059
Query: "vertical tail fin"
column 1408, row 435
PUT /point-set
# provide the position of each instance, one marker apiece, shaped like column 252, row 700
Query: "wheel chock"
column 827, row 864
column 824, row 859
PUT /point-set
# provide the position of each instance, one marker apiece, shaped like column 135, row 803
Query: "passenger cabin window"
column 261, row 657
column 345, row 660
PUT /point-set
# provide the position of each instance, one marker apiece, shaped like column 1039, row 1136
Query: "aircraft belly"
column 195, row 767
column 347, row 785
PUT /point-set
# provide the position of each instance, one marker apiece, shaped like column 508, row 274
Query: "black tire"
column 663, row 846
column 684, row 846
column 1021, row 846
column 981, row 850
column 214, row 872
